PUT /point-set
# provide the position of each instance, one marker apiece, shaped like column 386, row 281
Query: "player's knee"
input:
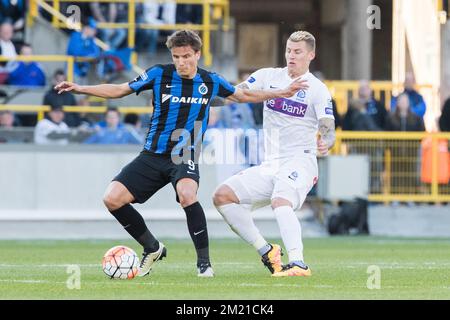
column 112, row 201
column 186, row 196
column 280, row 202
column 224, row 195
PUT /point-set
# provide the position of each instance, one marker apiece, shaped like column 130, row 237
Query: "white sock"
column 241, row 222
column 291, row 232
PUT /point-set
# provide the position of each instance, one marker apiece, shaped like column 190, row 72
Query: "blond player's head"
column 300, row 51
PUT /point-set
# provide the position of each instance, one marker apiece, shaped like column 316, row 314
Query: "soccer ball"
column 120, row 262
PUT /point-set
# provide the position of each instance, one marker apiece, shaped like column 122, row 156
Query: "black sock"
column 135, row 225
column 196, row 222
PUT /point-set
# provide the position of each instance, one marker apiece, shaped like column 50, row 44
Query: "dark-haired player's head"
column 185, row 47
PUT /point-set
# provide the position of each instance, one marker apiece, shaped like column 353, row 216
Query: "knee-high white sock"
column 291, row 232
column 241, row 222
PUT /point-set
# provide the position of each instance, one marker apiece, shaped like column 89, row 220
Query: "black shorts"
column 149, row 172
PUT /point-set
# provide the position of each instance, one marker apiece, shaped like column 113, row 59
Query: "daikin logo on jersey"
column 289, row 107
column 175, row 99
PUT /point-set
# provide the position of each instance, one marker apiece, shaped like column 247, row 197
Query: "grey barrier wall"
column 56, row 193
column 75, row 177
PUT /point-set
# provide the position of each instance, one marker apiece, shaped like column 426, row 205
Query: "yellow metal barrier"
column 404, row 166
column 47, row 58
column 343, row 91
column 41, row 109
column 221, row 10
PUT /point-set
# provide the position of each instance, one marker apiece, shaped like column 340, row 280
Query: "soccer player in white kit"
column 289, row 171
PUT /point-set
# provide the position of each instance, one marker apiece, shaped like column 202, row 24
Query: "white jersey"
column 45, row 127
column 291, row 124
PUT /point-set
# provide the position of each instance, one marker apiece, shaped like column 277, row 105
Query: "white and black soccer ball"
column 120, row 262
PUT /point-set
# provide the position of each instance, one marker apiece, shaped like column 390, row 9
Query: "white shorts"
column 289, row 179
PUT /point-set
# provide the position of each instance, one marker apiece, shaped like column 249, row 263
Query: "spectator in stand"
column 52, row 130
column 416, row 101
column 6, row 126
column 405, row 170
column 375, row 109
column 7, row 49
column 359, row 118
column 72, row 119
column 133, row 124
column 189, row 13
column 444, row 120
column 403, row 118
column 152, row 12
column 6, row 119
column 82, row 44
column 105, row 12
column 26, row 73
column 14, row 12
column 237, row 115
column 112, row 133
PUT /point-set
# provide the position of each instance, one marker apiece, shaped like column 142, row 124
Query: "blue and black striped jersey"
column 179, row 106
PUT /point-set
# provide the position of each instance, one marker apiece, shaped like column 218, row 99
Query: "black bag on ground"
column 351, row 218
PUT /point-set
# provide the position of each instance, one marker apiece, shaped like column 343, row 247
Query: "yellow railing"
column 343, row 91
column 47, row 58
column 40, row 110
column 404, row 166
column 220, row 10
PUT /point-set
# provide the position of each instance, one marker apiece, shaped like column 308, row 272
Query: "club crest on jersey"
column 293, row 176
column 203, row 89
column 301, row 94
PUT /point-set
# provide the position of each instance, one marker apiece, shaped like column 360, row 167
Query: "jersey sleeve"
column 145, row 80
column 226, row 89
column 257, row 79
column 323, row 104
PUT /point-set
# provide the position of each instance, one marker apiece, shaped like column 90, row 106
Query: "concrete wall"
column 73, row 177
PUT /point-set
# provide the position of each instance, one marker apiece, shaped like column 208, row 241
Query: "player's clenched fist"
column 322, row 147
column 67, row 86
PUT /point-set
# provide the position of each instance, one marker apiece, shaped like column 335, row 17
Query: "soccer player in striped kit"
column 182, row 95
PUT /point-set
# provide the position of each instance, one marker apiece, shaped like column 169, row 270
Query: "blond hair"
column 304, row 36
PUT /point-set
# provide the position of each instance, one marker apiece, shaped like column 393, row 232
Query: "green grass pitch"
column 409, row 269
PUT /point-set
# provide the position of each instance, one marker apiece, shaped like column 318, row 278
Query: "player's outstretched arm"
column 244, row 94
column 108, row 91
column 327, row 135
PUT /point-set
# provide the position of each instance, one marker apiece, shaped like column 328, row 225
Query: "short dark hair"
column 59, row 72
column 184, row 38
column 131, row 118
